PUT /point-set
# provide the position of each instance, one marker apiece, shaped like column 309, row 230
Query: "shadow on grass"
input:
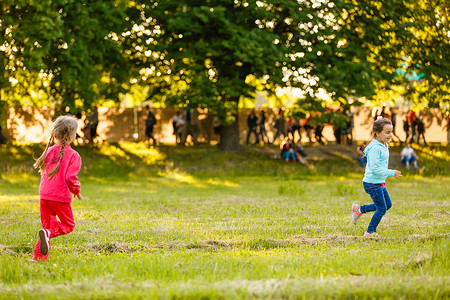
column 124, row 161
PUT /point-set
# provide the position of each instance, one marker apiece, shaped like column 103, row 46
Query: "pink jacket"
column 65, row 181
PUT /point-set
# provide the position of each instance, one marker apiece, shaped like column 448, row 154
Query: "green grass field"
column 200, row 224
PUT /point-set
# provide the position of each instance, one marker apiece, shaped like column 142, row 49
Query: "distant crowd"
column 193, row 126
column 285, row 131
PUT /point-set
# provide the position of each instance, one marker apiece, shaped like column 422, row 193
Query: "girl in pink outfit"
column 59, row 166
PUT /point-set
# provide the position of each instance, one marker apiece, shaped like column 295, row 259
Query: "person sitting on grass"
column 362, row 157
column 287, row 150
column 409, row 156
column 300, row 153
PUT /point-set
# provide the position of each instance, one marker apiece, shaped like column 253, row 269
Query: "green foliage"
column 428, row 54
column 214, row 54
column 64, row 48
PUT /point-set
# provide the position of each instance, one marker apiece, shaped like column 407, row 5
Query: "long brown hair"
column 64, row 127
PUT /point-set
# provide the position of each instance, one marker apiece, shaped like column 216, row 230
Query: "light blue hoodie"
column 377, row 163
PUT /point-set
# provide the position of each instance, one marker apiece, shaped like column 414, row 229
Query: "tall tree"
column 211, row 49
column 64, row 47
column 428, row 54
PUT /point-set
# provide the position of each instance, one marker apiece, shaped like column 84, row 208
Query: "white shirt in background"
column 408, row 152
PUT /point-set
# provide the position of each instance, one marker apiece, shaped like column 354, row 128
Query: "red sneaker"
column 371, row 234
column 356, row 213
column 44, row 237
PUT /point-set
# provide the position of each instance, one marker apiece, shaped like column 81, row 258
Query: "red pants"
column 65, row 225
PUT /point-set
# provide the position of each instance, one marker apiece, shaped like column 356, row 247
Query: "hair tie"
column 379, row 117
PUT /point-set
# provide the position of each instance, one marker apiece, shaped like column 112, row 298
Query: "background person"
column 361, row 155
column 392, row 115
column 178, row 126
column 149, row 124
column 252, row 123
column 412, row 124
column 191, row 127
column 262, row 133
column 300, row 153
column 350, row 122
column 288, row 151
column 279, row 125
column 406, row 129
column 93, row 124
column 421, row 131
column 409, row 156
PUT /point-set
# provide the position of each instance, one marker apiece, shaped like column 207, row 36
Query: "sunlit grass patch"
column 439, row 152
column 220, row 182
column 20, row 177
column 147, row 155
column 180, row 177
column 113, row 152
column 18, row 198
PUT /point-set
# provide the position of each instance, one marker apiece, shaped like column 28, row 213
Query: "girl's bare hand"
column 79, row 197
column 398, row 174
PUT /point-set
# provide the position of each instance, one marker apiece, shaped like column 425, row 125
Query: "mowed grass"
column 197, row 223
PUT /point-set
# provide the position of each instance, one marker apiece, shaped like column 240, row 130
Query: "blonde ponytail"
column 40, row 162
column 61, row 154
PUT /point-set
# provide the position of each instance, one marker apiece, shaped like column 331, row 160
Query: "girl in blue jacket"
column 374, row 181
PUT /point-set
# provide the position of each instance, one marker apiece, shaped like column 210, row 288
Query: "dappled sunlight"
column 129, row 189
column 28, row 178
column 311, row 168
column 95, row 179
column 355, row 175
column 189, row 179
column 433, row 154
column 14, row 151
column 222, row 183
column 18, row 198
column 440, row 153
column 113, row 152
column 148, row 155
column 18, row 203
column 180, row 177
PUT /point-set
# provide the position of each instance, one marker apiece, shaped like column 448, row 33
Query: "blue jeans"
column 362, row 160
column 382, row 202
column 406, row 159
column 288, row 155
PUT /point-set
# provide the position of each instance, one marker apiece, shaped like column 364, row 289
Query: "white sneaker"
column 355, row 213
column 44, row 236
column 373, row 234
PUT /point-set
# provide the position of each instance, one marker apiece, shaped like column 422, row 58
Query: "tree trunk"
column 448, row 130
column 229, row 136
